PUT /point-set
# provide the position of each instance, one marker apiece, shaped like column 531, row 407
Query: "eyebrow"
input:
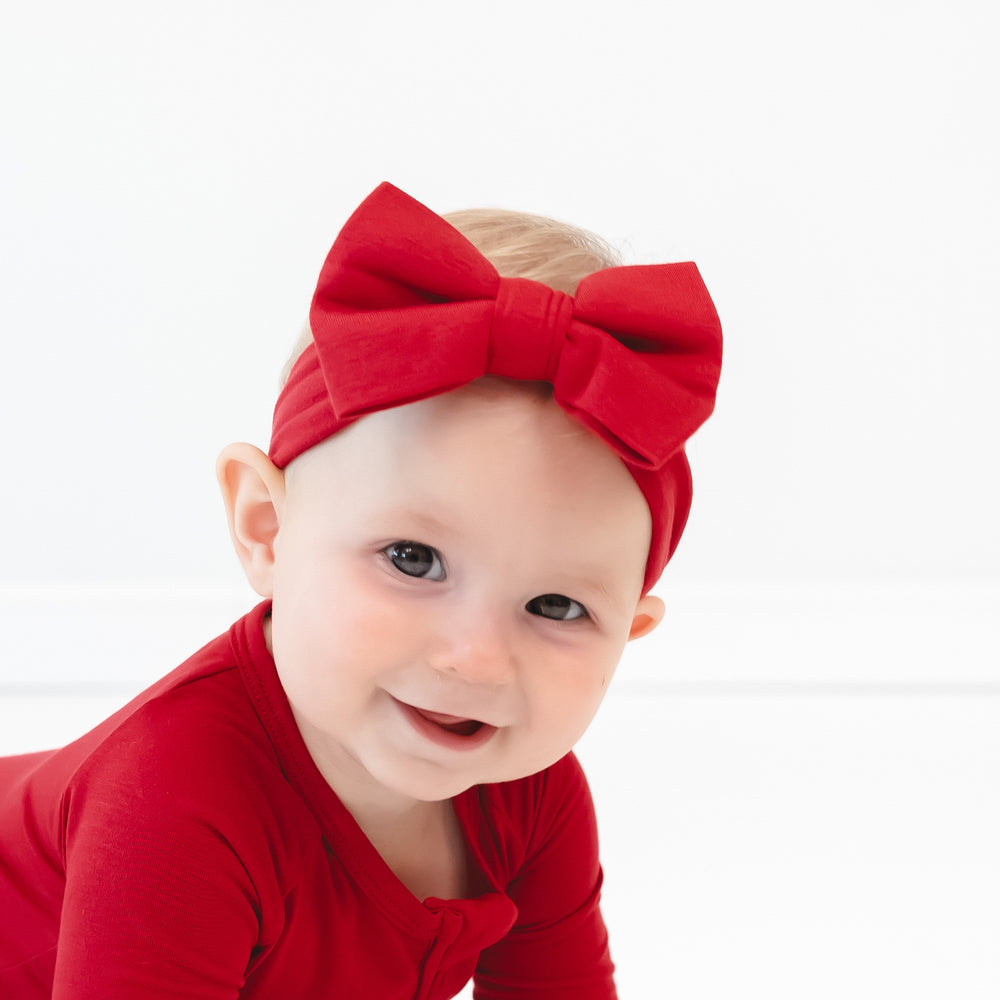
column 433, row 524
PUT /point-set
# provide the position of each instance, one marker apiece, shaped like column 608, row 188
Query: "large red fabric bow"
column 407, row 308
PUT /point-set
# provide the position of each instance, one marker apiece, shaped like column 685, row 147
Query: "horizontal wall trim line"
column 670, row 689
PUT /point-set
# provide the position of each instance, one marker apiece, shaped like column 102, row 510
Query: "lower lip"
column 442, row 737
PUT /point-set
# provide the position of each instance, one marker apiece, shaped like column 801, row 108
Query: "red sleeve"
column 165, row 882
column 558, row 948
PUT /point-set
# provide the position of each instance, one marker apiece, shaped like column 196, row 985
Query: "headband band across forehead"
column 407, row 308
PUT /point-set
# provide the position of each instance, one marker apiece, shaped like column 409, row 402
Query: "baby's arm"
column 159, row 902
column 558, row 949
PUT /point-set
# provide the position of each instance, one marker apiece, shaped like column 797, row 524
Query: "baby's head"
column 472, row 484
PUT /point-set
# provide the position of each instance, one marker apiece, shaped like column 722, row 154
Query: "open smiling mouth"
column 454, row 732
column 451, row 723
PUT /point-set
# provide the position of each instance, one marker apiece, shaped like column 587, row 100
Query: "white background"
column 797, row 775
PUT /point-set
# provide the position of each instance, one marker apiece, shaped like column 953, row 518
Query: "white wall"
column 170, row 180
column 172, row 177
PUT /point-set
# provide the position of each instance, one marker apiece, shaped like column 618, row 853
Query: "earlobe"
column 648, row 614
column 253, row 490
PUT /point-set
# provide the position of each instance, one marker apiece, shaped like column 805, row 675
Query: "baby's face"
column 454, row 583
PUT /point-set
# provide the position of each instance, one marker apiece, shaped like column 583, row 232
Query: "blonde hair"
column 519, row 245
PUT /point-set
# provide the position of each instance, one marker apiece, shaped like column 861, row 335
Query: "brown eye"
column 556, row 607
column 416, row 559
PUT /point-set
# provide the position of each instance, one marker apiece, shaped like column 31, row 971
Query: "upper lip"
column 444, row 717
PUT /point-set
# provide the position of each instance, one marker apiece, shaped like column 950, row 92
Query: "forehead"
column 492, row 427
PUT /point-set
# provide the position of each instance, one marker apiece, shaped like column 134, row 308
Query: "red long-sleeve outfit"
column 189, row 847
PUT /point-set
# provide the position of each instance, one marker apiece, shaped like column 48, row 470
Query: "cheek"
column 573, row 684
column 338, row 621
column 562, row 697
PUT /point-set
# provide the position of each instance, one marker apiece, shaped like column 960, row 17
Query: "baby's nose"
column 479, row 651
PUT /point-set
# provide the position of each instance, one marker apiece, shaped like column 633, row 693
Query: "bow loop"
column 528, row 330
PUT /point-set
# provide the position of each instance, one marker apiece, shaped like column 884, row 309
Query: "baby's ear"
column 253, row 490
column 648, row 614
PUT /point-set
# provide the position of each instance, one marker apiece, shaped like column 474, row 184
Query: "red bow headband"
column 406, row 308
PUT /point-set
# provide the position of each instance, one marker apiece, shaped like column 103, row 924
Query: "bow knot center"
column 530, row 322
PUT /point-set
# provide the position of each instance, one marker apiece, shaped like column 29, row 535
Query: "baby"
column 365, row 789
